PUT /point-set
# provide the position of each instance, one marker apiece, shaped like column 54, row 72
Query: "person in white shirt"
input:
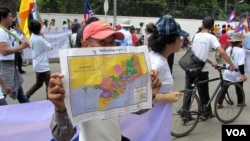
column 155, row 124
column 127, row 41
column 65, row 26
column 52, row 26
column 40, row 48
column 237, row 55
column 8, row 70
column 18, row 55
column 202, row 43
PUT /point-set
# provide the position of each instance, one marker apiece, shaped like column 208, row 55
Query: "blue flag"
column 87, row 11
column 231, row 17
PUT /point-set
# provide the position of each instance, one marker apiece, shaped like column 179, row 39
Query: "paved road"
column 205, row 131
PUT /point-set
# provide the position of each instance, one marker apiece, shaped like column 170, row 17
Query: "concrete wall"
column 190, row 25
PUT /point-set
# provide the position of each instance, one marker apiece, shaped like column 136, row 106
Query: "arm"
column 168, row 97
column 61, row 127
column 212, row 63
column 156, row 84
column 5, row 50
column 225, row 57
column 5, row 87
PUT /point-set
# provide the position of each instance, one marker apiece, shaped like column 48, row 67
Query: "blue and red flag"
column 88, row 12
column 241, row 26
column 231, row 17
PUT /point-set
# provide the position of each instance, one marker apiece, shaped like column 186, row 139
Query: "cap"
column 208, row 22
column 167, row 25
column 100, row 30
column 237, row 37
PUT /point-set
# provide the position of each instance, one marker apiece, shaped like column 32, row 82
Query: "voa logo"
column 236, row 132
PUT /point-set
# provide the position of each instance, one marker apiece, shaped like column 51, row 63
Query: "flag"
column 246, row 24
column 87, row 11
column 69, row 23
column 240, row 27
column 231, row 17
column 28, row 10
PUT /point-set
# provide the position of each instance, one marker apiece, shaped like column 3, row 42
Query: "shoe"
column 219, row 106
column 205, row 116
column 241, row 104
column 22, row 72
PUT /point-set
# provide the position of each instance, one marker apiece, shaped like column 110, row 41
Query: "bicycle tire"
column 181, row 128
column 230, row 109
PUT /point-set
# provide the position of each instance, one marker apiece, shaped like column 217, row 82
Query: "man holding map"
column 96, row 34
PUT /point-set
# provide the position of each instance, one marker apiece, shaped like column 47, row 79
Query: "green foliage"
column 195, row 9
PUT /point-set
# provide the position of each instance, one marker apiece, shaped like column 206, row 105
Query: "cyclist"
column 201, row 45
column 237, row 55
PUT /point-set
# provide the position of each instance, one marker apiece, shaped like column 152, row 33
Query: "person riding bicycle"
column 201, row 45
column 237, row 55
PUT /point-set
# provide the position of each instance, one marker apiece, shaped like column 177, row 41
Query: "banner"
column 58, row 39
column 27, row 122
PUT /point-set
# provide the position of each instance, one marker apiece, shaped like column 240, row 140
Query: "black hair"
column 34, row 26
column 64, row 22
column 80, row 31
column 4, row 12
column 91, row 19
column 223, row 31
column 151, row 28
column 78, row 43
column 14, row 24
column 157, row 42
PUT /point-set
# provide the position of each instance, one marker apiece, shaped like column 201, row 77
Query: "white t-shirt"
column 5, row 37
column 101, row 130
column 40, row 48
column 202, row 44
column 127, row 41
column 160, row 64
column 14, row 41
column 238, row 58
column 73, row 39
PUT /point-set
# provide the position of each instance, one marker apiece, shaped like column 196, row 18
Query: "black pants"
column 171, row 61
column 203, row 90
column 18, row 61
column 238, row 92
column 40, row 78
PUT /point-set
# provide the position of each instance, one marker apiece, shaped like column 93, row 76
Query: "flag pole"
column 115, row 12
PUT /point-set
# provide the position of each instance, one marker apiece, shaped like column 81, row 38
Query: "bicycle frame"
column 216, row 91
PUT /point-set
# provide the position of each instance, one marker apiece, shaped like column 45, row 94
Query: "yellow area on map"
column 90, row 70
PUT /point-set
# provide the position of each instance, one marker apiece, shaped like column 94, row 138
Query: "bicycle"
column 225, row 92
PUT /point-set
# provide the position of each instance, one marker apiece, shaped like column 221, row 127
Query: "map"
column 107, row 83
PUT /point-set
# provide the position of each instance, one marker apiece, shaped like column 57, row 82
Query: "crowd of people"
column 163, row 39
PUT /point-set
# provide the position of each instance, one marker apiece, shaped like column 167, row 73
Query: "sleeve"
column 241, row 60
column 3, row 37
column 129, row 40
column 214, row 42
column 45, row 44
column 61, row 127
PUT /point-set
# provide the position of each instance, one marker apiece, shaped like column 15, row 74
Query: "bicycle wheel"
column 229, row 110
column 182, row 126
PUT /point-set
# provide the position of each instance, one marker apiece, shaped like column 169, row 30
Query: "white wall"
column 189, row 25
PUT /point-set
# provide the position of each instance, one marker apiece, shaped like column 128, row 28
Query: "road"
column 205, row 131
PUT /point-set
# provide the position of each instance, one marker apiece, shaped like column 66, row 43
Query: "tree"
column 11, row 4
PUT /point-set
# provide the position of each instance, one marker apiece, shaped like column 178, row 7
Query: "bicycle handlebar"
column 224, row 68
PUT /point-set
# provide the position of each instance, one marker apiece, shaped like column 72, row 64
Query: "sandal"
column 219, row 106
column 241, row 104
